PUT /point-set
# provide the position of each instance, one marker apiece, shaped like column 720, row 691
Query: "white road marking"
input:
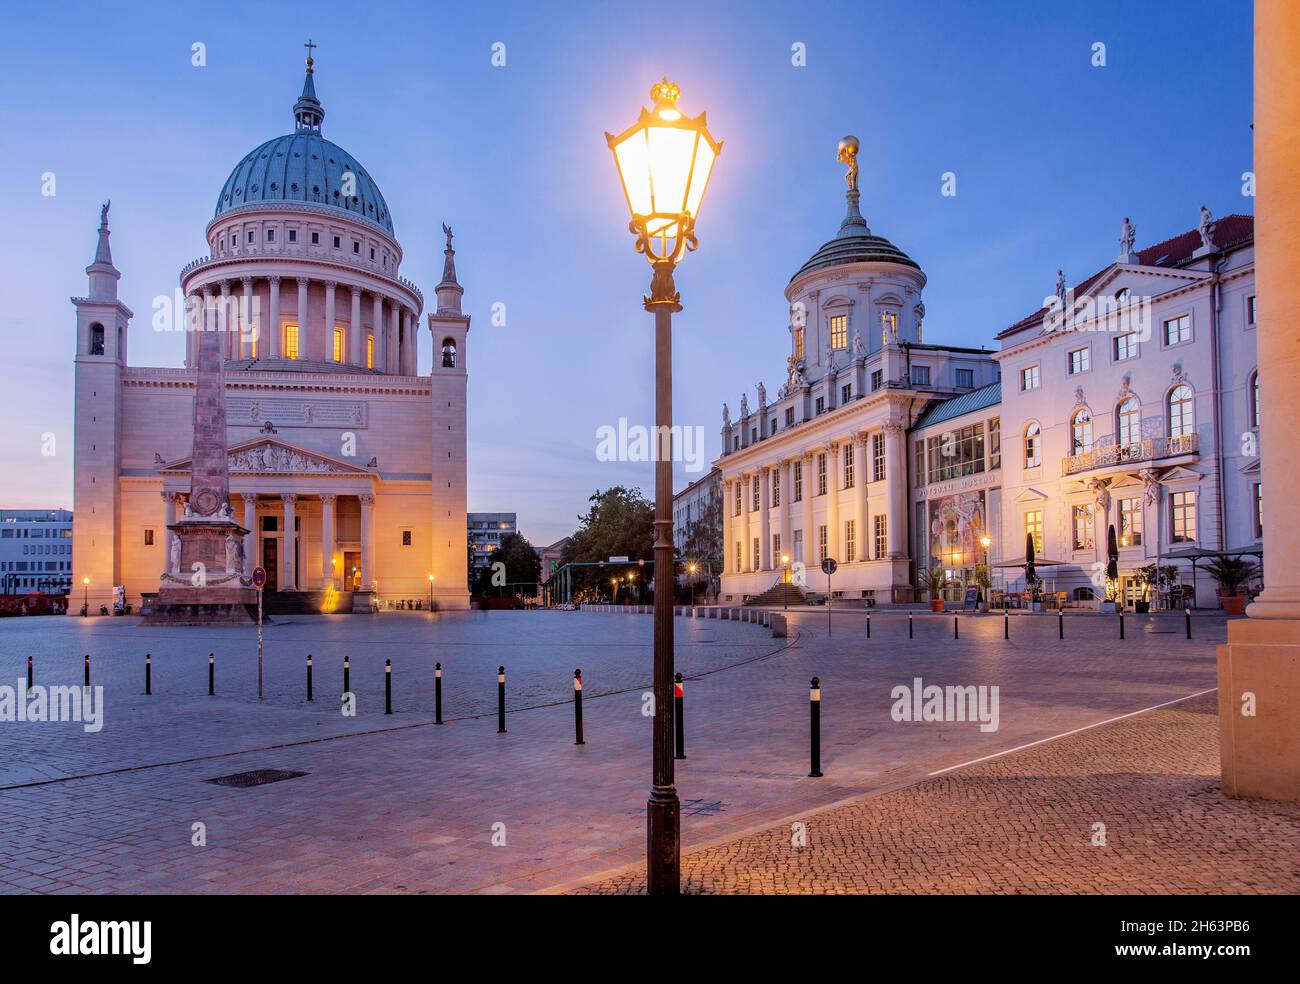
column 1066, row 734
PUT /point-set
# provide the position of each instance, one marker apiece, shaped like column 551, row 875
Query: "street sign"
column 829, row 566
column 259, row 577
column 618, row 560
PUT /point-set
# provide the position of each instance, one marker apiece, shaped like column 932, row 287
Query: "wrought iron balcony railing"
column 1149, row 449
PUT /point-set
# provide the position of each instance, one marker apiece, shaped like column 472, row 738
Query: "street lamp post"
column 85, row 604
column 664, row 161
column 985, row 542
column 785, row 581
column 430, row 592
column 693, row 568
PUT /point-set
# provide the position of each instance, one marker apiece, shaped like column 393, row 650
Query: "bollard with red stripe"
column 679, row 720
column 88, row 669
column 815, row 722
column 437, row 693
column 577, row 706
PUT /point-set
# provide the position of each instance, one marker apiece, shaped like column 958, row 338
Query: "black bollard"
column 347, row 674
column 148, row 675
column 309, row 676
column 1188, row 613
column 577, row 706
column 1060, row 624
column 815, row 722
column 29, row 674
column 955, row 633
column 437, row 693
column 212, row 675
column 1121, row 623
column 909, row 625
column 88, row 667
column 1006, row 625
column 868, row 625
column 388, row 686
column 679, row 720
column 501, row 700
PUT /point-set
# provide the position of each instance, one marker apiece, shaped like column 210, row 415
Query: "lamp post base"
column 663, row 840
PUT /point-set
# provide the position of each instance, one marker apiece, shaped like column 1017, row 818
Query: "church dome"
column 305, row 167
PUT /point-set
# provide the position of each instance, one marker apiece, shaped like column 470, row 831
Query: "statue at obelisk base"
column 205, row 581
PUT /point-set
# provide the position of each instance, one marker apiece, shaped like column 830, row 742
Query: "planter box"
column 1108, row 607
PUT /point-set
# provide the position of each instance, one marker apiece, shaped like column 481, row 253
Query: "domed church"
column 347, row 467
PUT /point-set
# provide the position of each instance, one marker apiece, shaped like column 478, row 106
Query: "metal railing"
column 1150, row 449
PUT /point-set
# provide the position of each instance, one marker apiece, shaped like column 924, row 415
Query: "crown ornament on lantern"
column 665, row 93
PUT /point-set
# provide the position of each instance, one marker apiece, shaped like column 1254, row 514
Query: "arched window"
column 1180, row 411
column 1254, row 399
column 96, row 339
column 1033, row 445
column 1081, row 431
column 1128, row 421
column 448, row 353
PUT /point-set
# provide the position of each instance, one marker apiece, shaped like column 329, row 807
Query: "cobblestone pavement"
column 1028, row 822
column 395, row 804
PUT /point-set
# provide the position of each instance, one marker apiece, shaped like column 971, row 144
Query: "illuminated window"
column 850, row 541
column 840, row 331
column 370, row 351
column 798, row 344
column 291, row 341
column 877, row 457
column 848, row 466
column 1083, row 527
column 338, row 344
column 1130, row 522
column 880, row 531
column 1033, row 445
column 822, row 544
column 821, row 474
column 776, row 488
column 1128, row 421
column 798, row 481
column 1183, row 513
column 1034, row 528
column 1081, row 431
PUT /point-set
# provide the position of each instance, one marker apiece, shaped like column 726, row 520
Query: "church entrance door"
column 271, row 561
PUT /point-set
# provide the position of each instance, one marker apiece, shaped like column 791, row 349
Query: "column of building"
column 765, row 517
column 861, row 462
column 896, row 477
column 250, row 524
column 367, row 541
column 327, row 541
column 786, row 467
column 287, row 579
column 809, row 487
column 833, row 540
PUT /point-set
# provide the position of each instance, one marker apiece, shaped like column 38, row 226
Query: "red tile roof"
column 1230, row 232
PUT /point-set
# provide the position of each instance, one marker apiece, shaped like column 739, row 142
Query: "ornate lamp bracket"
column 663, row 259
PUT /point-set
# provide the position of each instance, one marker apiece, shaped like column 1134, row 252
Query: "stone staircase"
column 779, row 594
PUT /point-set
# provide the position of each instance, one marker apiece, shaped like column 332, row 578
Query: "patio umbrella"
column 1112, row 554
column 1031, row 575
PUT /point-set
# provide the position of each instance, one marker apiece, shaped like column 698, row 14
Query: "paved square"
column 397, row 804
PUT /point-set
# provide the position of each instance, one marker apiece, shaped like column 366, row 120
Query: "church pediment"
column 267, row 457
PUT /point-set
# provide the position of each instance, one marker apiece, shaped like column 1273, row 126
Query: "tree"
column 513, row 562
column 620, row 523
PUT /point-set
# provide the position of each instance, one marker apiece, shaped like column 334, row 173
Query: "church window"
column 406, row 538
column 291, row 341
column 338, row 243
column 315, row 238
column 338, row 344
column 846, row 392
column 370, row 351
column 148, row 538
column 270, row 235
column 448, row 354
column 821, row 474
column 821, row 404
column 920, row 375
column 877, row 379
column 250, row 237
column 96, row 339
column 840, row 331
column 877, row 457
column 965, row 378
column 293, row 235
column 372, row 252
column 798, row 344
column 356, row 246
column 1180, row 411
column 789, row 416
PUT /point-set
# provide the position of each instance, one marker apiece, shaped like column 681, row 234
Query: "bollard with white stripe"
column 1188, row 613
column 388, row 686
column 309, row 676
column 1121, row 623
column 437, row 693
column 501, row 700
column 815, row 722
column 29, row 674
column 909, row 625
column 347, row 675
column 88, row 669
column 212, row 675
column 577, row 706
column 148, row 675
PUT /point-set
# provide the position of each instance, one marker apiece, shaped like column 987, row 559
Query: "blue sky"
column 1050, row 153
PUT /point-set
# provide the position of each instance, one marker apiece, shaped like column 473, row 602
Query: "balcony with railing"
column 1112, row 455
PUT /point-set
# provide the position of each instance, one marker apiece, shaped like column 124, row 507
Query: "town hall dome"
column 305, row 167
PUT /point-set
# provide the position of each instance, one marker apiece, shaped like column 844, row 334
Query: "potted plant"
column 1149, row 577
column 1232, row 575
column 934, row 581
column 983, row 582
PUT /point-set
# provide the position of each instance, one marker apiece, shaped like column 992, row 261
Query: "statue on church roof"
column 103, row 213
column 744, row 405
column 446, row 229
column 726, row 417
column 1127, row 236
column 1206, row 229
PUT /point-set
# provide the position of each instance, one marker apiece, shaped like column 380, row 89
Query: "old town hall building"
column 347, row 466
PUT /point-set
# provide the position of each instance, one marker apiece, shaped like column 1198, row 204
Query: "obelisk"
column 205, row 581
